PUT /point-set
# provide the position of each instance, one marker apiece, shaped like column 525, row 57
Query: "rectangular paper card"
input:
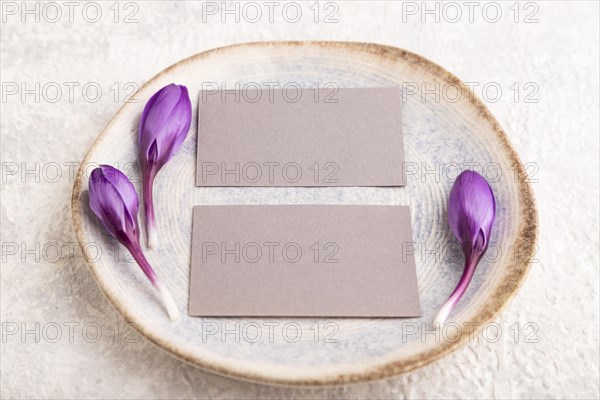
column 303, row 261
column 300, row 137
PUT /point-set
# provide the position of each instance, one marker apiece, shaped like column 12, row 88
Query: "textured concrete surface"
column 62, row 339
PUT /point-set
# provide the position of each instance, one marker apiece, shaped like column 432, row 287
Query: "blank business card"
column 300, row 137
column 303, row 261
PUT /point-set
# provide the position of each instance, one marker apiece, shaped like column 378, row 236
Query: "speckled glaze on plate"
column 439, row 136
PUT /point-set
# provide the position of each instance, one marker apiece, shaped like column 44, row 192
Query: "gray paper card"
column 303, row 261
column 300, row 137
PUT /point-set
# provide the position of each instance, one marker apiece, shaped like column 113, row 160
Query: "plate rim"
column 527, row 234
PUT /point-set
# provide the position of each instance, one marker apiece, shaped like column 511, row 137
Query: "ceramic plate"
column 441, row 137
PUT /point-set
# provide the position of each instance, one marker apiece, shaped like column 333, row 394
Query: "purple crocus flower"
column 115, row 202
column 164, row 126
column 471, row 213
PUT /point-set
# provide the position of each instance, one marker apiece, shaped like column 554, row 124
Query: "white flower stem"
column 152, row 236
column 167, row 299
column 168, row 302
column 442, row 315
column 461, row 287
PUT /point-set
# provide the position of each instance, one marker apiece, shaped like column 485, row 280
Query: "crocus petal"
column 124, row 186
column 149, row 105
column 114, row 201
column 174, row 129
column 106, row 203
column 182, row 119
column 471, row 208
column 164, row 118
column 158, row 109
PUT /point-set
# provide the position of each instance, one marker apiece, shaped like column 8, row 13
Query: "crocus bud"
column 114, row 201
column 164, row 126
column 471, row 214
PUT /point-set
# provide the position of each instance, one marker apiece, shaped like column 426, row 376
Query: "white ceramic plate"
column 439, row 135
